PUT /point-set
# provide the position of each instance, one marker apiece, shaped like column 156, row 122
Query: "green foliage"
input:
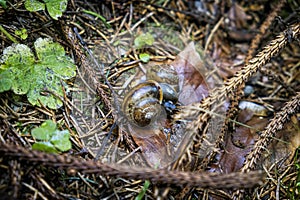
column 144, row 57
column 143, row 191
column 34, row 5
column 3, row 3
column 291, row 181
column 22, row 33
column 24, row 73
column 55, row 8
column 294, row 190
column 7, row 34
column 98, row 16
column 143, row 40
column 140, row 42
column 45, row 131
column 297, row 185
column 49, row 139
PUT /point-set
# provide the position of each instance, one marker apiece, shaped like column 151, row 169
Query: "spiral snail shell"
column 167, row 79
column 144, row 103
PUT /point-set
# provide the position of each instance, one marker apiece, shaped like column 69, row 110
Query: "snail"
column 143, row 103
column 167, row 79
column 148, row 101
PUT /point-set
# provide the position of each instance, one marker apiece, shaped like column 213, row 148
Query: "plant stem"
column 8, row 35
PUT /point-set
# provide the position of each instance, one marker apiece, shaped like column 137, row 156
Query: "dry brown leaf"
column 190, row 69
column 240, row 142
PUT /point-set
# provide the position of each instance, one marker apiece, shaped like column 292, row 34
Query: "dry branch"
column 273, row 127
column 179, row 178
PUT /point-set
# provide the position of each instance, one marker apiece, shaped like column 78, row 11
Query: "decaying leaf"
column 239, row 143
column 191, row 70
column 284, row 145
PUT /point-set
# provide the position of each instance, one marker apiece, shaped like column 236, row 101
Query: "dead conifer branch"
column 263, row 29
column 241, row 76
column 195, row 127
column 87, row 71
column 179, row 178
column 273, row 127
column 266, row 137
column 239, row 93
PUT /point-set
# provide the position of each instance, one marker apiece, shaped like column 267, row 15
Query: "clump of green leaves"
column 55, row 8
column 142, row 41
column 144, row 57
column 3, row 3
column 22, row 33
column 40, row 77
column 49, row 139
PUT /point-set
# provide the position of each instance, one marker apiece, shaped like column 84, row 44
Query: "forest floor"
column 220, row 80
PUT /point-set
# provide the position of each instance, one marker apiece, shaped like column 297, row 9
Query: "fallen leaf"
column 192, row 85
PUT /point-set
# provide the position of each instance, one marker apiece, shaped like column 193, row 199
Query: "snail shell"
column 167, row 79
column 149, row 101
column 142, row 104
column 169, row 93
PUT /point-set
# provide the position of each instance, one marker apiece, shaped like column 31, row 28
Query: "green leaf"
column 61, row 140
column 18, row 32
column 17, row 56
column 98, row 16
column 144, row 57
column 44, row 146
column 50, row 139
column 22, row 33
column 45, row 131
column 34, row 5
column 3, row 4
column 5, row 81
column 13, row 72
column 50, row 82
column 143, row 40
column 143, row 191
column 19, row 86
column 39, row 78
column 52, row 55
column 55, row 8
